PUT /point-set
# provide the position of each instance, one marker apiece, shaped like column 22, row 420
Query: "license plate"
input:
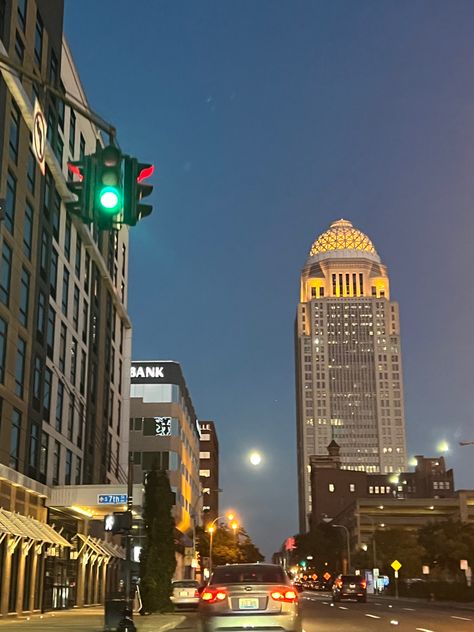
column 183, row 593
column 352, row 585
column 248, row 604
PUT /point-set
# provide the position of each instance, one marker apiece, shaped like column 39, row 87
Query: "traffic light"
column 118, row 522
column 83, row 186
column 108, row 200
column 135, row 189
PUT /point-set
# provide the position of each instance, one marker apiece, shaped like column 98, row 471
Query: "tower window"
column 313, row 292
column 321, row 291
column 331, row 487
column 374, row 291
column 361, row 283
column 334, row 285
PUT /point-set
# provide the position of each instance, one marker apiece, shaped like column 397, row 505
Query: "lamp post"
column 341, row 526
column 211, row 528
column 193, row 516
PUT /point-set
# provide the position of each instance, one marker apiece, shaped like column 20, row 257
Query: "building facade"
column 349, row 383
column 334, row 489
column 64, row 329
column 164, row 431
column 209, row 471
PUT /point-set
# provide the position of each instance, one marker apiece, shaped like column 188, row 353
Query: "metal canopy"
column 26, row 527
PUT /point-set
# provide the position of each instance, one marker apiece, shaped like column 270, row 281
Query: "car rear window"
column 186, row 584
column 249, row 575
column 351, row 579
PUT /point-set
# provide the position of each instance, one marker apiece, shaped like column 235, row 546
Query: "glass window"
column 331, row 487
column 22, row 7
column 65, row 296
column 24, row 297
column 15, row 438
column 19, row 49
column 37, row 378
column 62, row 348
column 77, row 264
column 53, row 272
column 67, row 237
column 41, row 315
column 78, row 470
column 59, row 407
column 73, row 360
column 68, row 468
column 43, row 461
column 20, row 367
column 48, row 382
column 82, row 146
column 3, row 349
column 38, row 39
column 10, row 203
column 82, row 383
column 14, row 130
column 44, row 253
column 50, row 332
column 56, row 461
column 75, row 308
column 70, row 418
column 85, row 317
column 72, row 131
column 31, row 172
column 56, row 210
column 28, row 230
column 48, row 193
column 5, row 273
column 34, row 445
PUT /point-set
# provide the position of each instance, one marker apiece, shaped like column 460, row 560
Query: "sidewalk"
column 85, row 620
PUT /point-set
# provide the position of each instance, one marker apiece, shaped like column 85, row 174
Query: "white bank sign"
column 147, row 371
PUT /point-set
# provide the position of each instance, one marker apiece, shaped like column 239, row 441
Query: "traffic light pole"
column 128, row 537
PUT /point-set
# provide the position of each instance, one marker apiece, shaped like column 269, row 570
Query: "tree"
column 157, row 559
column 446, row 543
column 227, row 547
column 401, row 545
column 324, row 544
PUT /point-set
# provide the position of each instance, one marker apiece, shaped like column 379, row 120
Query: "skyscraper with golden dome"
column 348, row 360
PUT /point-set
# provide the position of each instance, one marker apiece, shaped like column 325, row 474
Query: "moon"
column 255, row 458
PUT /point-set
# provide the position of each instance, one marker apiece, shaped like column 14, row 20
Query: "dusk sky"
column 267, row 120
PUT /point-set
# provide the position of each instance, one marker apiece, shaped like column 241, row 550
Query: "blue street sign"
column 112, row 499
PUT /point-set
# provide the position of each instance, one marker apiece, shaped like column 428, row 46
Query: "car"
column 249, row 597
column 185, row 593
column 349, row 587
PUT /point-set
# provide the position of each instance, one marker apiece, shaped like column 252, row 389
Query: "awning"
column 101, row 547
column 25, row 527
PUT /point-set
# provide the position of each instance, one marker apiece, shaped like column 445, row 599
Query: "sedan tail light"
column 196, row 593
column 288, row 595
column 338, row 583
column 213, row 595
column 363, row 583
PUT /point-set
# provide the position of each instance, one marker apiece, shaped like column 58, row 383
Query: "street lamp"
column 193, row 516
column 341, row 526
column 211, row 528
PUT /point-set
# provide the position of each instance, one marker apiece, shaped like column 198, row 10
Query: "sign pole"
column 396, row 584
column 128, row 537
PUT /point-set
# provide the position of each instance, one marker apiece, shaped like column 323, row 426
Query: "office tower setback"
column 348, row 360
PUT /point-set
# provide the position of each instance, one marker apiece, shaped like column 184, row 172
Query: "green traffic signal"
column 109, row 186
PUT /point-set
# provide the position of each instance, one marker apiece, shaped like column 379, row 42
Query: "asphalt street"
column 381, row 615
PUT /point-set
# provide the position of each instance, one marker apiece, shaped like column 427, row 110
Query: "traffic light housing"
column 108, row 196
column 120, row 522
column 135, row 189
column 83, row 186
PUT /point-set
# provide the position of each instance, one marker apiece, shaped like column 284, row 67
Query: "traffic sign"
column 396, row 565
column 327, row 576
column 40, row 130
column 112, row 499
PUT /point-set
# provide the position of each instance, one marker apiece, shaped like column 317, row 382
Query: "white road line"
column 424, row 630
column 460, row 618
column 372, row 616
column 410, row 609
column 343, row 608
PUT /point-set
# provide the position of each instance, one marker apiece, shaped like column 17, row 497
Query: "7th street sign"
column 112, row 499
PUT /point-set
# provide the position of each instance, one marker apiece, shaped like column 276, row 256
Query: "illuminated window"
column 331, row 487
column 352, row 487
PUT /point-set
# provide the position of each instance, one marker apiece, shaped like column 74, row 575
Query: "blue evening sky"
column 267, row 120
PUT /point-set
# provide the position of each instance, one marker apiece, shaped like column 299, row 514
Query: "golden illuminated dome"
column 342, row 236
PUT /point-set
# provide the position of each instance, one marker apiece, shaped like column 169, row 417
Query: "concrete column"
column 104, row 582
column 96, row 580
column 81, row 579
column 36, row 550
column 7, row 568
column 20, row 578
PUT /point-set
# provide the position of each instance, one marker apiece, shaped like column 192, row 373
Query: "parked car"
column 349, row 587
column 254, row 596
column 185, row 593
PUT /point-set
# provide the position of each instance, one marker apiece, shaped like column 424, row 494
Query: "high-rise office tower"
column 348, row 360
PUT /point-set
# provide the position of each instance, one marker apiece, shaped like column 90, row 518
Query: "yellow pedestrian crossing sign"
column 396, row 565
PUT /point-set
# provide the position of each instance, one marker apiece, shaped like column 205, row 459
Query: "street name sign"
column 112, row 499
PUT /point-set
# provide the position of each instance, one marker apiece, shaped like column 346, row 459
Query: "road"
column 377, row 615
column 381, row 615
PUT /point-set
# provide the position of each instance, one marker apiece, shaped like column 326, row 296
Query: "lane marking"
column 460, row 618
column 343, row 608
column 372, row 616
column 424, row 630
column 410, row 609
